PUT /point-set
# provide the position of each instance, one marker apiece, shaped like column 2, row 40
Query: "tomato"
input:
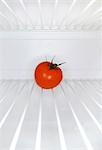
column 48, row 75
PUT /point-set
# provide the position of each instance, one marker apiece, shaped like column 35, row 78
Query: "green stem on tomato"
column 54, row 66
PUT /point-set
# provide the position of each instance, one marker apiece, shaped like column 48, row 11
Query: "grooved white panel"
column 50, row 15
column 69, row 117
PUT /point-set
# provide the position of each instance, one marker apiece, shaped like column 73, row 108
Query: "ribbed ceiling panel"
column 62, row 15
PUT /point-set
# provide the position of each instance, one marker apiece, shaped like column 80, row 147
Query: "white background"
column 20, row 52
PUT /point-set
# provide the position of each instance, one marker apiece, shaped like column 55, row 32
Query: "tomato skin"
column 47, row 78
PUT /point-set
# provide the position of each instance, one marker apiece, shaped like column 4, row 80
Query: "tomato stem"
column 54, row 66
column 52, row 59
column 61, row 63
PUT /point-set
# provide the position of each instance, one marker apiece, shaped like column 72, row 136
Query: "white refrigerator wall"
column 20, row 53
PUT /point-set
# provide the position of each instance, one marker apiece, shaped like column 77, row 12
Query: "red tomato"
column 48, row 75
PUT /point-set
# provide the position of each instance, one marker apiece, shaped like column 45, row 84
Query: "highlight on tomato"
column 48, row 75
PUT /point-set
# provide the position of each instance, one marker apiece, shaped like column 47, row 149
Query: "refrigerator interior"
column 68, row 117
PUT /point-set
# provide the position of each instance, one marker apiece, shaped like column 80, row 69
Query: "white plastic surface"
column 68, row 117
